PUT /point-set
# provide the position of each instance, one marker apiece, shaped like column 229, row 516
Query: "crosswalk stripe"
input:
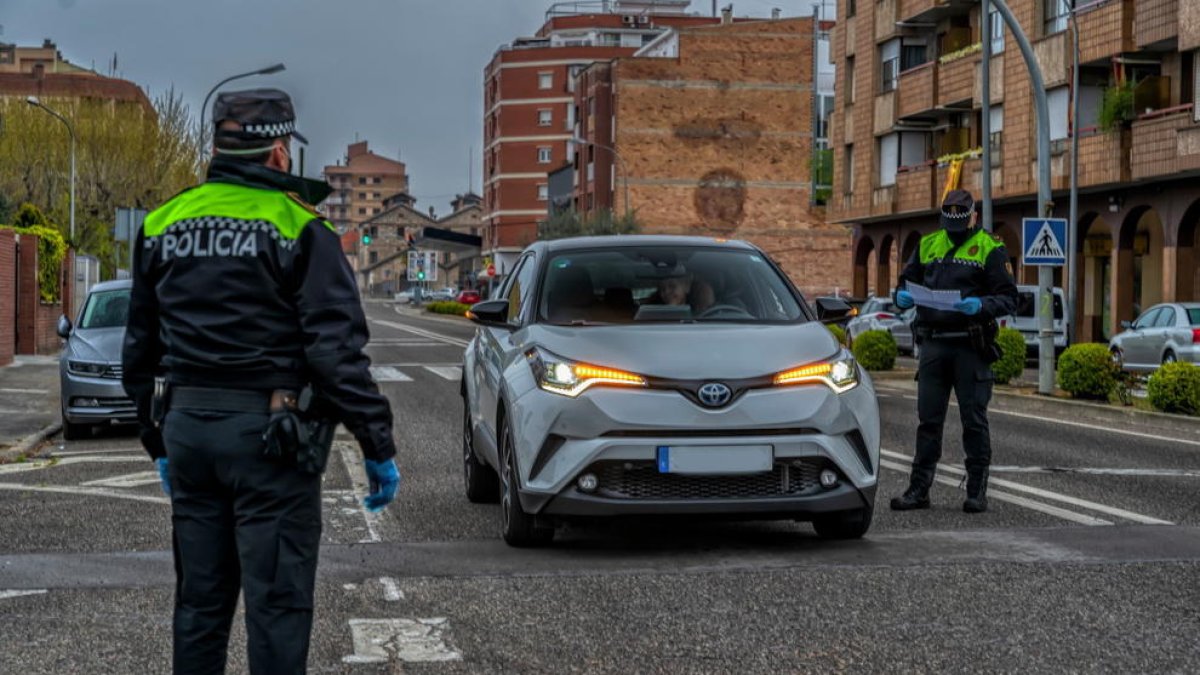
column 388, row 374
column 452, row 373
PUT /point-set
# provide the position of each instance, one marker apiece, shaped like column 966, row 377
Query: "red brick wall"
column 8, row 296
column 920, row 88
column 1156, row 20
column 1106, row 30
column 36, row 321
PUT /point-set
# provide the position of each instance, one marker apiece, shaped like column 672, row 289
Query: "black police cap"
column 263, row 113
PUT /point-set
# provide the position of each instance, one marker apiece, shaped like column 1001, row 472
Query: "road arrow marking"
column 408, row 640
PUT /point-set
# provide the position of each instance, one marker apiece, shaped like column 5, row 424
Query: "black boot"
column 976, row 501
column 915, row 497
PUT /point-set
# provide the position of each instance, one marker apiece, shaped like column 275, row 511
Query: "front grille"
column 642, row 481
column 112, row 373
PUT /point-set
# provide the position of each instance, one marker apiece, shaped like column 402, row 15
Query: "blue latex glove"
column 384, row 478
column 969, row 306
column 904, row 299
column 163, row 476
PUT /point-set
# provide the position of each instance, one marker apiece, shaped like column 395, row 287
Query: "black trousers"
column 241, row 522
column 951, row 365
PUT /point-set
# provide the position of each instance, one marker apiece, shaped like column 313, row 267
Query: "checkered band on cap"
column 956, row 216
column 270, row 130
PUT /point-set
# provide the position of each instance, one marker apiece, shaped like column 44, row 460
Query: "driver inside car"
column 683, row 289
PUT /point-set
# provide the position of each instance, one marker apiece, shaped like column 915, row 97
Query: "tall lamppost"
column 33, row 101
column 269, row 70
column 621, row 160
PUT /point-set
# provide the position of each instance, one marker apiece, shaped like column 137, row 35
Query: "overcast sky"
column 405, row 75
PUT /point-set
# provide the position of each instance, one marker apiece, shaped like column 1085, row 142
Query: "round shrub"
column 1175, row 388
column 875, row 350
column 455, row 308
column 1087, row 371
column 838, row 334
column 1012, row 355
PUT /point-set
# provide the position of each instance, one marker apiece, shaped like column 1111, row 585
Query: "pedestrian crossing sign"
column 1045, row 241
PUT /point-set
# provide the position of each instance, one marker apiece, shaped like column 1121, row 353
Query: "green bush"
column 875, row 350
column 1175, row 388
column 1012, row 355
column 52, row 248
column 455, row 308
column 1087, row 371
column 838, row 334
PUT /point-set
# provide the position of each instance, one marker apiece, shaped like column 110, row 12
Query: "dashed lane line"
column 358, row 483
column 388, row 374
column 1038, row 492
column 452, row 373
column 130, row 480
column 24, row 391
column 5, row 595
column 421, row 332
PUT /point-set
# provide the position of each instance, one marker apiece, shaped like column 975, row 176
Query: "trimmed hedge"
column 1012, row 359
column 455, row 308
column 1087, row 371
column 838, row 334
column 1175, row 388
column 875, row 350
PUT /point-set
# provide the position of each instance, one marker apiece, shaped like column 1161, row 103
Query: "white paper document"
column 926, row 297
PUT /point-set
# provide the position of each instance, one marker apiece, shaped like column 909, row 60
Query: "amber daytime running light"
column 562, row 376
column 840, row 375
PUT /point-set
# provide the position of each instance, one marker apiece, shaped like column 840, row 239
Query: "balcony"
column 1189, row 25
column 916, row 187
column 885, row 113
column 1053, row 56
column 918, row 89
column 1155, row 21
column 1165, row 143
column 997, row 80
column 883, row 201
column 885, row 19
column 1104, row 157
column 956, row 81
column 1105, row 29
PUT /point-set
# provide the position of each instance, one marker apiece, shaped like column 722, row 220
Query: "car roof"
column 630, row 240
column 118, row 285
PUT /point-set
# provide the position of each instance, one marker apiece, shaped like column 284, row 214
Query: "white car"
column 1162, row 334
column 1025, row 318
column 875, row 314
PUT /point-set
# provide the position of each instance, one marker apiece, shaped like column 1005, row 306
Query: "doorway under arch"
column 1187, row 275
column 1093, row 307
column 862, row 258
column 883, row 266
column 1138, row 282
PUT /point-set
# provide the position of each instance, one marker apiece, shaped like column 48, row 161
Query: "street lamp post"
column 33, row 101
column 269, row 70
column 620, row 160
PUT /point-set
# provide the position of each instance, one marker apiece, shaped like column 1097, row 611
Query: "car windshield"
column 1026, row 307
column 106, row 309
column 660, row 284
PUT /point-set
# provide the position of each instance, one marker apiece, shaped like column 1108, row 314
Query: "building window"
column 374, row 257
column 362, row 180
column 1059, row 99
column 851, row 8
column 997, row 134
column 376, row 195
column 362, row 210
column 362, row 195
column 889, row 61
column 849, row 93
column 997, row 32
column 848, row 169
column 546, row 80
column 889, row 159
column 544, row 155
column 1055, row 14
column 543, row 192
column 545, row 118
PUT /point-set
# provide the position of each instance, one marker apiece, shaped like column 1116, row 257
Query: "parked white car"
column 875, row 314
column 1025, row 318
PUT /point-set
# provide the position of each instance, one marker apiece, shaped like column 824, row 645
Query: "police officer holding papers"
column 244, row 349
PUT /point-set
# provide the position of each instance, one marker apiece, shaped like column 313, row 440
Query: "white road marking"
column 391, row 589
column 1012, row 499
column 1045, row 494
column 452, row 373
column 1095, row 471
column 65, row 461
column 420, row 364
column 408, row 640
column 358, row 482
column 24, row 391
column 130, row 480
column 4, row 595
column 422, row 332
column 86, row 491
column 406, row 344
column 388, row 374
column 6, row 411
column 108, row 451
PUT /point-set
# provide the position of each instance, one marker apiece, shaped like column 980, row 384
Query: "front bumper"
column 844, row 497
column 112, row 404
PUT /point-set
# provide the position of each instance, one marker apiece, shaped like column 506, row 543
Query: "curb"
column 25, row 445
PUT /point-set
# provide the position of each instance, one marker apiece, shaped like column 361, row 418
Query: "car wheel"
column 845, row 524
column 75, row 432
column 518, row 528
column 1118, row 358
column 481, row 481
column 1169, row 357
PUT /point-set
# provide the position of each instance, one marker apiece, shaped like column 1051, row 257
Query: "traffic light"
column 420, row 275
column 366, row 238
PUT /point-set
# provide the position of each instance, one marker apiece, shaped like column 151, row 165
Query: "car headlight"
column 568, row 378
column 840, row 374
column 86, row 368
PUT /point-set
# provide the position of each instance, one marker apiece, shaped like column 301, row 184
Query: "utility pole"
column 985, row 78
column 1073, row 211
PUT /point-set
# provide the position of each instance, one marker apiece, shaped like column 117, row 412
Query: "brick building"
column 44, row 73
column 361, row 182
column 715, row 129
column 383, row 264
column 528, row 105
column 908, row 94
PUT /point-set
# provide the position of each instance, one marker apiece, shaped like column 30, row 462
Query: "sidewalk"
column 29, row 399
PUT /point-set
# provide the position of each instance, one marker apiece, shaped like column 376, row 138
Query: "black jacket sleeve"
column 334, row 329
column 1000, row 298
column 142, row 352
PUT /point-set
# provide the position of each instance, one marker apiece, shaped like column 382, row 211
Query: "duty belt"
column 934, row 334
column 232, row 400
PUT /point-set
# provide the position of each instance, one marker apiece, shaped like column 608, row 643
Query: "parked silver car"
column 663, row 375
column 902, row 333
column 90, row 366
column 1162, row 334
column 875, row 314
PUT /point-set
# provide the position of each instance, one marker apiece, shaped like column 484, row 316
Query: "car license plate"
column 715, row 459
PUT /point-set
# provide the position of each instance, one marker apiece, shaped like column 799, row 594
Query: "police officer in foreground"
column 957, row 346
column 245, row 306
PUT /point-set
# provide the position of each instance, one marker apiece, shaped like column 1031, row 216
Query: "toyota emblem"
column 714, row 394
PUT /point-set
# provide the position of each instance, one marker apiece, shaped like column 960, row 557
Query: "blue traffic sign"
column 1044, row 241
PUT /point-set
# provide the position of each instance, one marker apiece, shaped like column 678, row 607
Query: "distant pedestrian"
column 243, row 300
column 957, row 347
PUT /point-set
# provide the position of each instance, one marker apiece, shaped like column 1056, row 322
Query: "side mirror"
column 830, row 310
column 492, row 313
column 64, row 327
column 1127, row 325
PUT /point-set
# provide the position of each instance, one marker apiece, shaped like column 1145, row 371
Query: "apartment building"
column 711, row 131
column 361, row 182
column 382, row 264
column 44, row 73
column 528, row 105
column 909, row 103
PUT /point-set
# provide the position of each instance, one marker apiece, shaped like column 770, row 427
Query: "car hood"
column 99, row 345
column 690, row 351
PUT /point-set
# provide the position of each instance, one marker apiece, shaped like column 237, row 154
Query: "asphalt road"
column 1087, row 561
